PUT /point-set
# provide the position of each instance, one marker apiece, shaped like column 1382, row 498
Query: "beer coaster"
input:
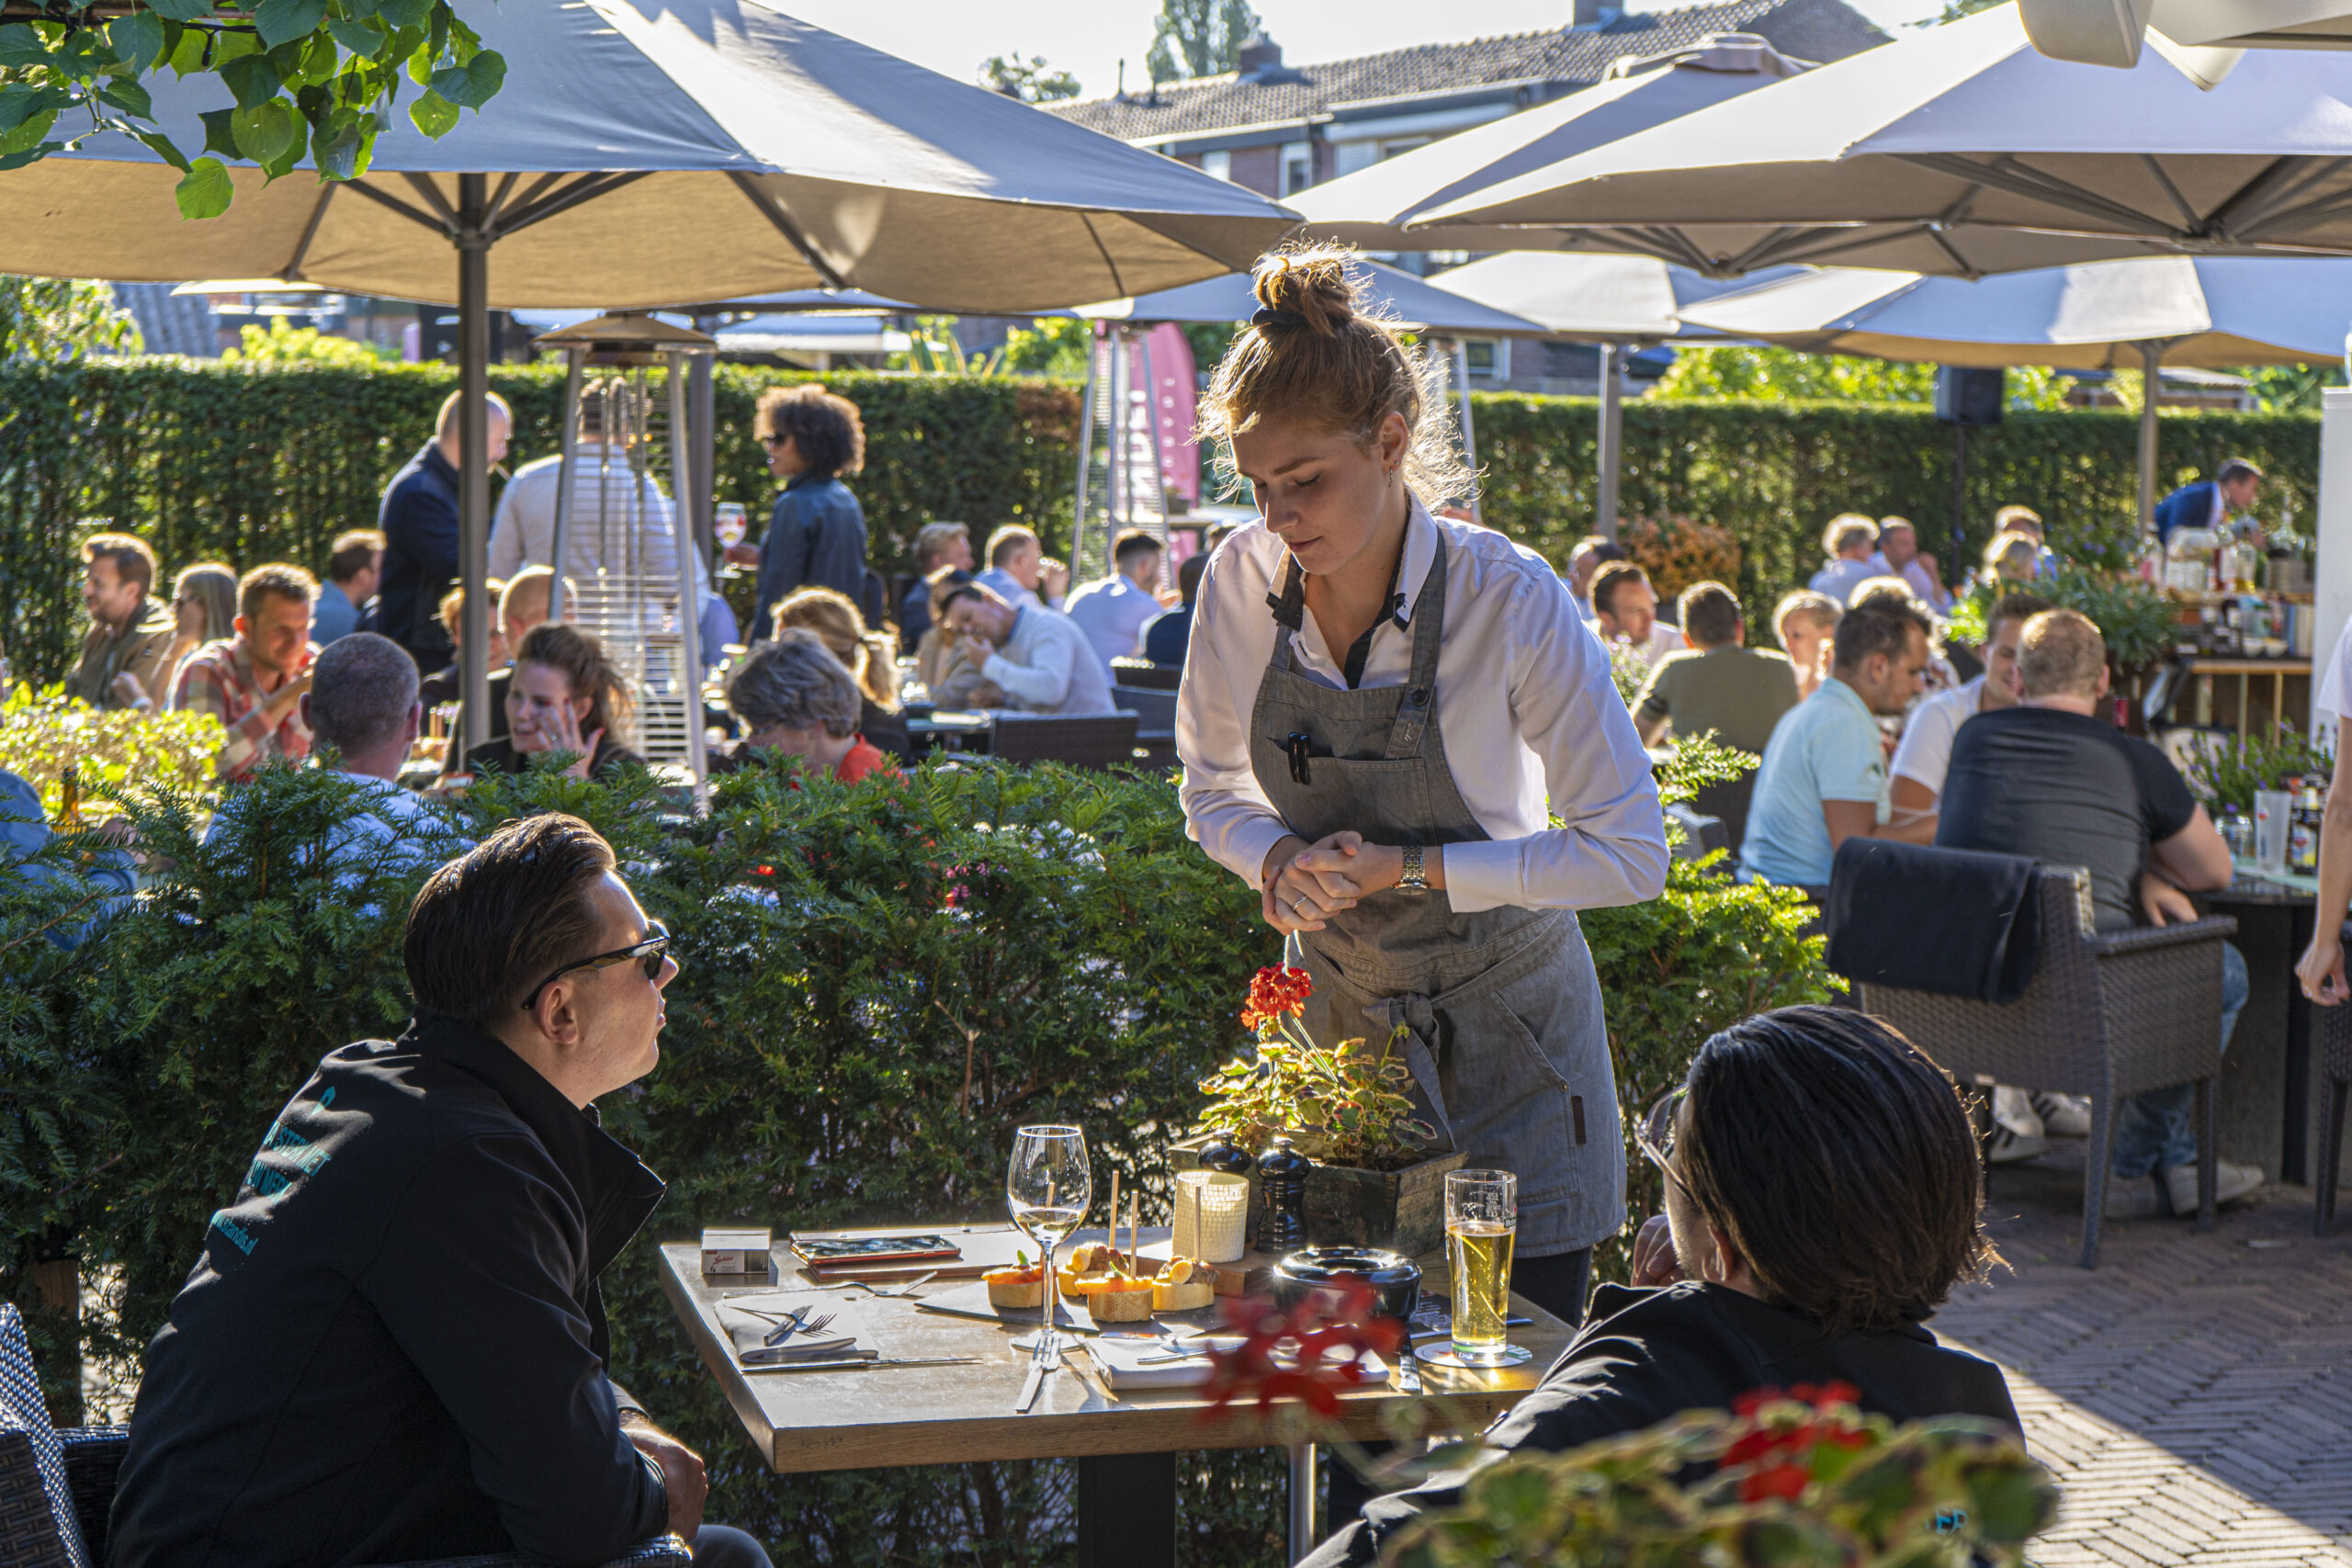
column 1444, row 1356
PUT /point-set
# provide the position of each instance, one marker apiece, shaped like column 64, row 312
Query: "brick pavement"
column 2194, row 1395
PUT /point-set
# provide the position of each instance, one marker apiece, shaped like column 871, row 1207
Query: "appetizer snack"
column 1119, row 1298
column 1185, row 1284
column 1089, row 1264
column 1020, row 1287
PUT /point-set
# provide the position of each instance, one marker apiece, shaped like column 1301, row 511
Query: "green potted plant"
column 1378, row 1179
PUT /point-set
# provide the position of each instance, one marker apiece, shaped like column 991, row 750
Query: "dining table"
column 2272, row 1095
column 945, row 1390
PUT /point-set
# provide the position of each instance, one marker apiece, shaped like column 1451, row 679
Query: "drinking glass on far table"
column 1481, row 1224
column 1048, row 1187
column 729, row 520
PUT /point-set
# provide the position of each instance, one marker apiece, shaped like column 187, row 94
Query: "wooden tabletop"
column 957, row 1414
column 2202, row 665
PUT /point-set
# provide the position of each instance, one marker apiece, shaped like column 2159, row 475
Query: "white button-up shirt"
column 1533, row 725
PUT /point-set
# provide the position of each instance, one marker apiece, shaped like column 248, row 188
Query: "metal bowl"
column 1324, row 1270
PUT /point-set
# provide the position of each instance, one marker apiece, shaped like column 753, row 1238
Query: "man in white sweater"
column 1042, row 660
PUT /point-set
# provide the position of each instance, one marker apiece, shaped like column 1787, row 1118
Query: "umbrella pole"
column 1612, row 434
column 687, row 549
column 1469, row 432
column 703, row 408
column 559, row 547
column 1085, row 439
column 473, row 476
column 2149, row 354
column 1158, row 476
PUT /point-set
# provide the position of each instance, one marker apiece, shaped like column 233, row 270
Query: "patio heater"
column 1134, row 489
column 641, row 602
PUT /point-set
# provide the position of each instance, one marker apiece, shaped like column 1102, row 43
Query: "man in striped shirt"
column 253, row 682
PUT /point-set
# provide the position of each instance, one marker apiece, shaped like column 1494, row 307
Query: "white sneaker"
column 2062, row 1115
column 2007, row 1145
column 2133, row 1197
column 2231, row 1182
column 2013, row 1109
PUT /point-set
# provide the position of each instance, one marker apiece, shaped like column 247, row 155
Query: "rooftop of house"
column 1264, row 91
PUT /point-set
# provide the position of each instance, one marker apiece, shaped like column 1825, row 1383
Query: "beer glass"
column 1481, row 1224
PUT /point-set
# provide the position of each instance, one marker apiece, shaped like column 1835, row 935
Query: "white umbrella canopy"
column 2103, row 32
column 1964, row 149
column 2212, row 311
column 1371, row 207
column 1428, row 305
column 654, row 151
column 1597, row 299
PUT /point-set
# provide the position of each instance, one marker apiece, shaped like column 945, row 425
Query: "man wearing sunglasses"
column 393, row 1347
column 1822, row 1196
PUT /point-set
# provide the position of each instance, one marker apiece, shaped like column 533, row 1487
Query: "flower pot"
column 1400, row 1211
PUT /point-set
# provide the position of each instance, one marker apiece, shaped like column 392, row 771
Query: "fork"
column 800, row 1320
column 903, row 1289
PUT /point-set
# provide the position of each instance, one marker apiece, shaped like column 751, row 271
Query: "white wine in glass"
column 1046, row 1188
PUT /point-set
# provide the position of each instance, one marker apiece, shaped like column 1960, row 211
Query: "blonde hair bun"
column 1314, row 285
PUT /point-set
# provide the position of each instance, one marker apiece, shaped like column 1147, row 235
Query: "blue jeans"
column 2154, row 1131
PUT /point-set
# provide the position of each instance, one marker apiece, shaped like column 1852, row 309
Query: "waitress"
column 1377, row 708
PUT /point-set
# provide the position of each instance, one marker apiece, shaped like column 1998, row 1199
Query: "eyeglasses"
column 1655, row 1137
column 651, row 953
column 773, row 441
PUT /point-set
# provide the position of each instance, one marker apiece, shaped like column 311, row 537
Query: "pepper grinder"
column 1282, row 1176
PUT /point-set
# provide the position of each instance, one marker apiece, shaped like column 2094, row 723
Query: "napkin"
column 748, row 1320
column 1135, row 1361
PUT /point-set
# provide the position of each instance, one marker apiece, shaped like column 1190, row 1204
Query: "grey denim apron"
column 1505, row 1038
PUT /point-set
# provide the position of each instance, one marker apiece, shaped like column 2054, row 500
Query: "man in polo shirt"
column 1824, row 777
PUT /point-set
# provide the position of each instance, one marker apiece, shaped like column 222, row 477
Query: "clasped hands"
column 1304, row 884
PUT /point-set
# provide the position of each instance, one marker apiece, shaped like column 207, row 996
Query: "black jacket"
column 419, row 519
column 1646, row 1355
column 393, row 1346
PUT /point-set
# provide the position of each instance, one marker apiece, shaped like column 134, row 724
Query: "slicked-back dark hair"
column 503, row 916
column 1840, row 1162
column 1879, row 625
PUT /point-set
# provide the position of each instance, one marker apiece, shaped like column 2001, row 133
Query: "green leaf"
column 181, row 10
column 165, row 148
column 136, row 39
column 14, row 158
column 401, row 13
column 205, row 191
column 21, row 102
column 253, row 79
column 129, row 96
column 282, row 21
column 189, row 52
column 474, row 83
column 21, row 47
column 217, row 136
column 338, row 156
column 363, row 38
column 27, row 136
column 265, row 131
column 434, row 115
column 234, row 44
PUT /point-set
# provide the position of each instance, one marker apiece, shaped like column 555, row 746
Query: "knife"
column 1408, row 1372
column 1029, row 1388
column 860, row 1362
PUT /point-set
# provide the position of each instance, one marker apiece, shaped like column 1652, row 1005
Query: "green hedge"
column 250, row 463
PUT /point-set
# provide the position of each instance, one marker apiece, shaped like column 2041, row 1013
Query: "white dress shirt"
column 1925, row 754
column 1923, row 581
column 1532, row 722
column 1841, row 577
column 522, row 531
column 1112, row 613
column 1047, row 666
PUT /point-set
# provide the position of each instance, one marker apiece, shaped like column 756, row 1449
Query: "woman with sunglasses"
column 817, row 536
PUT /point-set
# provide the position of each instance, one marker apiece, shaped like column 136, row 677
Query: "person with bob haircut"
column 393, row 1345
column 794, row 698
column 563, row 694
column 1377, row 705
column 817, row 536
column 1822, row 1197
column 871, row 657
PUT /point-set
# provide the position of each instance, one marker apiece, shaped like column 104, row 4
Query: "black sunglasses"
column 1655, row 1136
column 651, row 952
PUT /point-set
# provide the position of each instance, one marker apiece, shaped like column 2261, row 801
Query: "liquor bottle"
column 2303, row 833
column 69, row 799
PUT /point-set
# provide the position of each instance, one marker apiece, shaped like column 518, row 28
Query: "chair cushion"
column 22, row 1410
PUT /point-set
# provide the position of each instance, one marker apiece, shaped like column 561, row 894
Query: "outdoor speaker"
column 1969, row 396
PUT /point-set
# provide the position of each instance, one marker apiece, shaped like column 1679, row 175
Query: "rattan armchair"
column 94, row 1457
column 2336, row 1068
column 2108, row 1015
column 1107, row 741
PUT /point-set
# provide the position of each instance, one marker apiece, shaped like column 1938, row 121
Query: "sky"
column 1090, row 37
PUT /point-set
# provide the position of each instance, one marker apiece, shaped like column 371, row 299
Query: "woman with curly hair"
column 817, row 536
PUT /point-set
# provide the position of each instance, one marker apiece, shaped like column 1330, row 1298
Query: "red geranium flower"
column 1298, row 1354
column 1275, row 991
column 1780, row 1448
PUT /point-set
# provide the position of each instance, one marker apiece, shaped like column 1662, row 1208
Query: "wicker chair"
column 1143, row 672
column 2107, row 1016
column 1107, row 741
column 30, row 1533
column 2335, row 1065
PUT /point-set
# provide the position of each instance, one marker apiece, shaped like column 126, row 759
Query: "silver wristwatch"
column 1413, row 880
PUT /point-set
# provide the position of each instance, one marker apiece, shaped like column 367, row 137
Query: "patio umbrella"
column 645, row 154
column 1960, row 151
column 2212, row 311
column 1614, row 301
column 2101, row 32
column 1371, row 207
column 1438, row 311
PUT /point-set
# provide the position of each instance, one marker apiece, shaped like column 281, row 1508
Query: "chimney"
column 1260, row 54
column 1594, row 13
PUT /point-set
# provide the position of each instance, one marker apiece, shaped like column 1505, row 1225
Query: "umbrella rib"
column 490, row 213
column 2172, row 191
column 1747, row 259
column 782, row 222
column 397, row 205
column 588, row 187
column 2265, row 200
column 2019, row 179
column 423, row 185
column 293, row 273
column 1118, row 287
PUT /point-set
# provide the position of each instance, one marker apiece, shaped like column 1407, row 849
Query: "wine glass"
column 1046, row 1187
